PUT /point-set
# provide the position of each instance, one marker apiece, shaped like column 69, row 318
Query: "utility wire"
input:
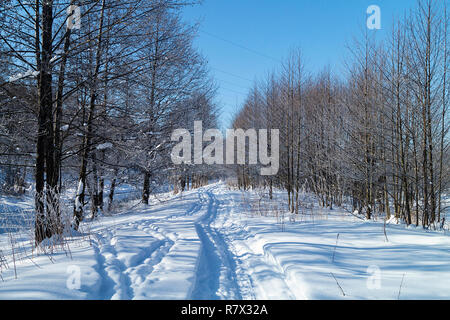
column 229, row 82
column 228, row 89
column 235, row 75
column 232, row 74
column 241, row 46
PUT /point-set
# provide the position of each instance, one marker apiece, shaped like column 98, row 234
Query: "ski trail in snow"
column 124, row 272
column 187, row 254
column 113, row 267
column 260, row 276
column 202, row 253
column 206, row 244
column 216, row 274
column 173, row 275
column 199, row 251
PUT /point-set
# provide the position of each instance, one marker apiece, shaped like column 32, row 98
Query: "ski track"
column 127, row 277
column 217, row 272
column 183, row 248
column 202, row 244
column 261, row 276
column 216, row 275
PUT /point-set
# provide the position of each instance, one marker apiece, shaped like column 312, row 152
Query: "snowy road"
column 203, row 245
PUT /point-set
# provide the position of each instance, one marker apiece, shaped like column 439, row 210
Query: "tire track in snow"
column 259, row 275
column 215, row 275
column 191, row 211
column 216, row 272
column 243, row 277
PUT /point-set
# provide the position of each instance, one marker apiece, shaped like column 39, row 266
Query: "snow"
column 78, row 204
column 15, row 213
column 24, row 75
column 211, row 243
column 104, row 146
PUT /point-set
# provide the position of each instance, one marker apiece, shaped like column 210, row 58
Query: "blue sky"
column 245, row 39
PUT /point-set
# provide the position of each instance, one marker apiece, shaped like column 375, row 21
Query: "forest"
column 89, row 99
column 93, row 95
column 376, row 137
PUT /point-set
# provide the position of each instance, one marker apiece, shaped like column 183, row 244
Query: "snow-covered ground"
column 216, row 243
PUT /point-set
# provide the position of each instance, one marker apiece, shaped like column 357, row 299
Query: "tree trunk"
column 45, row 147
column 79, row 200
column 146, row 189
column 111, row 190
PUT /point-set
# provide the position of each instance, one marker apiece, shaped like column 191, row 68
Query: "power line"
column 228, row 82
column 241, row 46
column 232, row 74
column 230, row 98
column 228, row 89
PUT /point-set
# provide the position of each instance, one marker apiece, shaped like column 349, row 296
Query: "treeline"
column 90, row 92
column 378, row 136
